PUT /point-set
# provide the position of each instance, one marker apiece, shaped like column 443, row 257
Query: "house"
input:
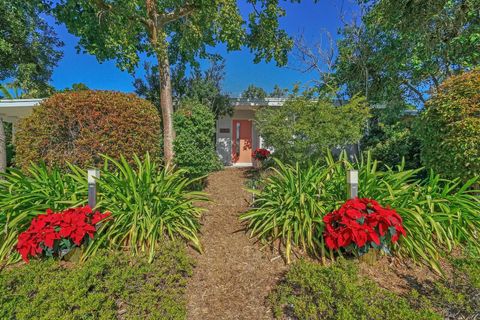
column 237, row 135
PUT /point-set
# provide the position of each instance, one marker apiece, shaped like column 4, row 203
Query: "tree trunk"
column 3, row 148
column 166, row 105
column 159, row 42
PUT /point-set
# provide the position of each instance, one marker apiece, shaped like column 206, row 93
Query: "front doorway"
column 242, row 142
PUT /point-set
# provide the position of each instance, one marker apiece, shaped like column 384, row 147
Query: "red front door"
column 242, row 141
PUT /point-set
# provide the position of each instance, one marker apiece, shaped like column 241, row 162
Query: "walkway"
column 232, row 277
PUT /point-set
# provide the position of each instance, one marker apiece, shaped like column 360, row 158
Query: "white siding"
column 224, row 140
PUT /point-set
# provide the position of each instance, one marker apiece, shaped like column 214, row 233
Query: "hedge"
column 79, row 126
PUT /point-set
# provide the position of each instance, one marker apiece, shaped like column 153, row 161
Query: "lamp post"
column 352, row 183
column 93, row 175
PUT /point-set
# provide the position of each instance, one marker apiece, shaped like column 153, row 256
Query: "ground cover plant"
column 438, row 214
column 311, row 291
column 111, row 285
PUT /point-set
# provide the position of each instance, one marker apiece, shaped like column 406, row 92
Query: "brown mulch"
column 234, row 275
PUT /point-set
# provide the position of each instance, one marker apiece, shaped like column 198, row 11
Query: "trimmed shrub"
column 77, row 127
column 450, row 128
column 194, row 143
column 312, row 291
column 112, row 285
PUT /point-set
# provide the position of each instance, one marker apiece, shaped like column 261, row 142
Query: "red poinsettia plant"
column 261, row 154
column 57, row 233
column 361, row 224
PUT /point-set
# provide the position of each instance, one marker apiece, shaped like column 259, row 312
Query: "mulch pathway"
column 234, row 275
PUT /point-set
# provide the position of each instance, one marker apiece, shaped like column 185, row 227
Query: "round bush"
column 450, row 128
column 77, row 127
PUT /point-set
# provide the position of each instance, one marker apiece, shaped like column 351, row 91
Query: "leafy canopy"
column 202, row 86
column 254, row 92
column 303, row 129
column 403, row 50
column 28, row 46
column 121, row 30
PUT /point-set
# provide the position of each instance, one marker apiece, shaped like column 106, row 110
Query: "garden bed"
column 386, row 289
column 111, row 285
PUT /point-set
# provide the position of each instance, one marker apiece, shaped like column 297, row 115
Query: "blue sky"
column 308, row 18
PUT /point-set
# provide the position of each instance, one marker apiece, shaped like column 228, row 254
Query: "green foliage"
column 310, row 291
column 253, row 92
column 393, row 140
column 28, row 46
column 278, row 92
column 26, row 194
column 148, row 204
column 189, row 27
column 194, row 145
column 404, row 49
column 290, row 207
column 204, row 87
column 449, row 129
column 438, row 214
column 302, row 129
column 78, row 126
column 111, row 285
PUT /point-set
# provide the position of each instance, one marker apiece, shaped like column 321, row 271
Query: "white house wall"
column 224, row 139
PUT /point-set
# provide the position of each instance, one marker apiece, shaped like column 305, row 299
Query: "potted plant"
column 59, row 234
column 259, row 156
column 362, row 227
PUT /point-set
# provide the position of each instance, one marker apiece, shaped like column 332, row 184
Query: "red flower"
column 260, row 154
column 45, row 229
column 361, row 222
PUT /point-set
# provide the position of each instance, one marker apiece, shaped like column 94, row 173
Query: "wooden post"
column 352, row 184
column 93, row 175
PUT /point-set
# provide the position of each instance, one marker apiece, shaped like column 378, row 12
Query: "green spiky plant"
column 148, row 203
column 24, row 195
column 438, row 214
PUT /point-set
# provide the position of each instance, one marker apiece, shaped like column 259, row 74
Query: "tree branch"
column 415, row 90
column 175, row 15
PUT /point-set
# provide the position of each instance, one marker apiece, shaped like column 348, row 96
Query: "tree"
column 173, row 31
column 28, row 46
column 302, row 129
column 278, row 92
column 403, row 50
column 254, row 92
column 202, row 86
column 80, row 86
